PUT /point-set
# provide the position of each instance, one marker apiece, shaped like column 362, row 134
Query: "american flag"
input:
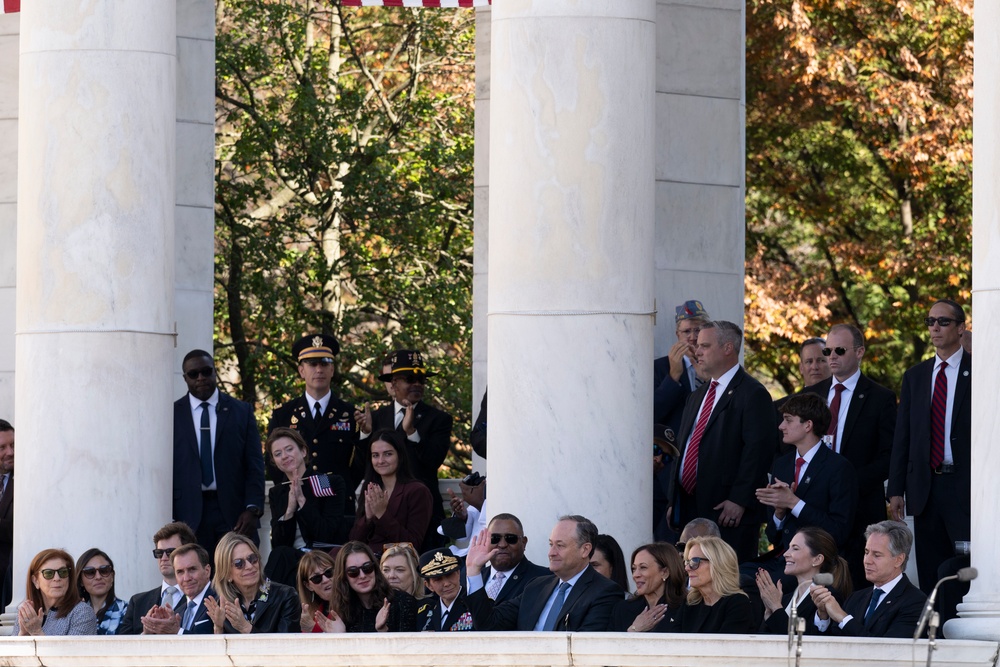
column 10, row 6
column 321, row 486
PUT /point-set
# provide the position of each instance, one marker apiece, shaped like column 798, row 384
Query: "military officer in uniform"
column 325, row 422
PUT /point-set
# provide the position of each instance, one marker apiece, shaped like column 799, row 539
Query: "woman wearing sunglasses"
column 393, row 507
column 362, row 600
column 247, row 601
column 315, row 583
column 52, row 604
column 715, row 602
column 97, row 586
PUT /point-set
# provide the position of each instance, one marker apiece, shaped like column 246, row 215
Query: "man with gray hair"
column 674, row 375
column 729, row 431
column 891, row 607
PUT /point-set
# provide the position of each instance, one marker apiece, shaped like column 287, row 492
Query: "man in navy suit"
column 6, row 511
column 575, row 599
column 194, row 577
column 932, row 450
column 508, row 571
column 218, row 461
column 811, row 485
column 891, row 607
column 674, row 375
column 729, row 436
column 168, row 593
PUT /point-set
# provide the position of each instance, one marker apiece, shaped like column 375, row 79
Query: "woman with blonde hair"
column 247, row 601
column 715, row 603
column 52, row 604
column 399, row 565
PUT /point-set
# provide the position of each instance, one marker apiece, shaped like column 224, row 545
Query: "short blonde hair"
column 725, row 567
column 410, row 557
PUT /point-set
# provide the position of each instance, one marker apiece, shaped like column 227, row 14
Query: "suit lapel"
column 727, row 396
column 222, row 417
column 854, row 408
column 187, row 427
column 813, row 470
column 962, row 385
column 543, row 596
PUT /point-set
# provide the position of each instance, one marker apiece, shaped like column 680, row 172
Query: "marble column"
column 979, row 613
column 194, row 265
column 700, row 118
column 570, row 259
column 95, row 277
column 9, row 30
column 481, row 217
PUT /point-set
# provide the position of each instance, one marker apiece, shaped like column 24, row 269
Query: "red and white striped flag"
column 10, row 6
column 321, row 486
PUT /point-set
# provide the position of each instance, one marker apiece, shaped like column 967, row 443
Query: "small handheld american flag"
column 321, row 486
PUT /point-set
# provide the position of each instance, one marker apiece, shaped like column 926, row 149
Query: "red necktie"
column 939, row 406
column 835, row 413
column 690, row 476
column 799, row 462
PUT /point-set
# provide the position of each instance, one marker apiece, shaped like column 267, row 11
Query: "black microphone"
column 823, row 579
column 965, row 574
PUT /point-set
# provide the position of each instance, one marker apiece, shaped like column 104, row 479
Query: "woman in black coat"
column 715, row 603
column 659, row 591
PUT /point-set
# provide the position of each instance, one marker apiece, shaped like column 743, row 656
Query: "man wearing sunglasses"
column 863, row 420
column 427, row 430
column 168, row 594
column 508, row 570
column 218, row 461
column 932, row 450
column 323, row 420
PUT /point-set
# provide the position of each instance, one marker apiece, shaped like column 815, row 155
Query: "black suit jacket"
column 6, row 541
column 426, row 456
column 321, row 521
column 732, row 614
column 138, row 606
column 459, row 618
column 737, row 448
column 239, row 463
column 332, row 441
column 910, row 469
column 866, row 441
column 202, row 623
column 519, row 577
column 897, row 614
column 777, row 623
column 669, row 396
column 587, row 607
column 829, row 488
column 279, row 613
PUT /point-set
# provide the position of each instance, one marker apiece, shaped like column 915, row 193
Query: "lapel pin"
column 966, row 373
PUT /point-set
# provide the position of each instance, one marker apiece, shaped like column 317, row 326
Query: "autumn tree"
column 859, row 161
column 344, row 194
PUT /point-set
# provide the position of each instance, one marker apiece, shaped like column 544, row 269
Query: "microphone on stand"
column 965, row 574
column 823, row 579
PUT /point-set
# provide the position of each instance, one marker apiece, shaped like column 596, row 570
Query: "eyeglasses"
column 91, row 572
column 240, row 563
column 160, row 553
column 48, row 574
column 841, row 351
column 694, row 563
column 319, row 362
column 941, row 321
column 657, row 450
column 354, row 571
column 205, row 372
column 325, row 574
column 509, row 538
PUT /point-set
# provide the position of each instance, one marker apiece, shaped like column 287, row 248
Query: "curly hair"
column 346, row 600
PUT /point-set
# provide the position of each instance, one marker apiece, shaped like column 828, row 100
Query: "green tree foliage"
column 859, row 174
column 344, row 195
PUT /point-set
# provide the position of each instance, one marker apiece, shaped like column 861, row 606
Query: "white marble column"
column 95, row 278
column 481, row 217
column 9, row 30
column 570, row 259
column 700, row 118
column 979, row 613
column 194, row 264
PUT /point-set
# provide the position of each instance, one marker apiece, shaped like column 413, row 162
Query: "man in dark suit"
column 674, row 375
column 6, row 511
column 576, row 599
column 891, row 607
column 218, row 462
column 447, row 610
column 427, row 430
column 729, row 438
column 194, row 578
column 324, row 421
column 861, row 431
column 168, row 593
column 813, row 367
column 811, row 485
column 508, row 571
column 932, row 450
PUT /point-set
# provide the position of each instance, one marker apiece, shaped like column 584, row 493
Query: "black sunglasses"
column 205, row 372
column 160, row 553
column 941, row 321
column 241, row 563
column 509, row 538
column 91, row 572
column 48, row 574
column 354, row 571
column 695, row 563
column 841, row 351
column 325, row 574
column 319, row 362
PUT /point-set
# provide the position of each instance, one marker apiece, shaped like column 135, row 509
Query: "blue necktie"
column 876, row 596
column 207, row 477
column 553, row 617
column 189, row 615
